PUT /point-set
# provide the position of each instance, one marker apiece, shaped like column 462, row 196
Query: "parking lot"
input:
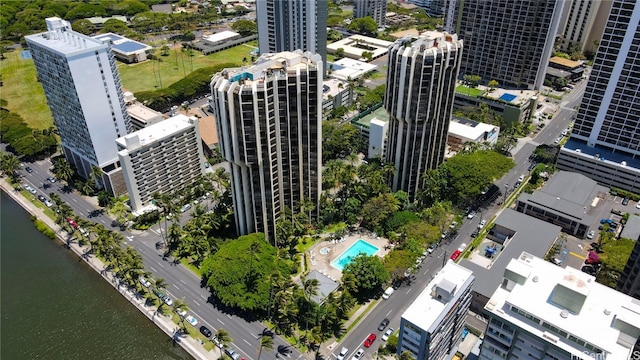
column 575, row 250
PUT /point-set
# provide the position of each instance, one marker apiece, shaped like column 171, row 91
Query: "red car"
column 455, row 255
column 72, row 223
column 369, row 340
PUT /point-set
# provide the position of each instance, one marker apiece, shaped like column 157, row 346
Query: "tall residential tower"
column 605, row 141
column 292, row 25
column 269, row 121
column 82, row 87
column 421, row 80
column 510, row 41
column 377, row 9
column 585, row 21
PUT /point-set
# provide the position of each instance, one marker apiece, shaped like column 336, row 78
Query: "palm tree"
column 63, row 170
column 96, row 174
column 160, row 284
column 9, row 164
column 223, row 337
column 266, row 341
column 181, row 306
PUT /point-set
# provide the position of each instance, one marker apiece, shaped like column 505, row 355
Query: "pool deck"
column 322, row 262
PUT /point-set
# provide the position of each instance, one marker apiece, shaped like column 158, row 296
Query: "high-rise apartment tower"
column 269, row 121
column 584, row 23
column 605, row 141
column 292, row 25
column 376, row 9
column 421, row 80
column 509, row 41
column 82, row 87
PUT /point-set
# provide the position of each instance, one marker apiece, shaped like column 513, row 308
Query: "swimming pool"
column 358, row 247
column 507, row 97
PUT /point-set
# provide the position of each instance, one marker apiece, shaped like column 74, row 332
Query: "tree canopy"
column 365, row 26
column 245, row 27
column 239, row 272
column 364, row 275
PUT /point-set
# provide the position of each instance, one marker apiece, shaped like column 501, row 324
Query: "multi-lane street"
column 245, row 333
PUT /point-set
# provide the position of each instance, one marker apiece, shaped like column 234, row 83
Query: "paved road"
column 183, row 284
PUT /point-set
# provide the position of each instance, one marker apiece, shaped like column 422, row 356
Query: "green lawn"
column 468, row 91
column 23, row 92
column 149, row 75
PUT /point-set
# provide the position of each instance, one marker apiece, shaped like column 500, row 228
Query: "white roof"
column 345, row 69
column 62, row 39
column 142, row 112
column 155, row 132
column 377, row 47
column 547, row 286
column 334, row 87
column 221, row 36
column 426, row 309
column 466, row 131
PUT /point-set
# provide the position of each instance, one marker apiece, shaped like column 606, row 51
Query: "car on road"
column 386, row 334
column 521, row 179
column 42, row 198
column 474, row 233
column 638, row 205
column 558, row 139
column 48, row 203
column 483, row 222
column 565, row 132
column 462, row 247
column 218, row 343
column 232, row 354
column 625, row 201
column 342, row 354
column 185, row 207
column 358, row 354
column 471, row 214
column 191, row 320
column 51, row 179
column 167, row 300
column 532, row 166
column 455, row 255
column 144, row 282
column 369, row 340
column 383, row 324
column 181, row 312
column 432, row 247
column 29, row 170
column 205, row 331
column 591, row 234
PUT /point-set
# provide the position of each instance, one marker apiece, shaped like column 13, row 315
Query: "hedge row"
column 193, row 85
column 43, row 228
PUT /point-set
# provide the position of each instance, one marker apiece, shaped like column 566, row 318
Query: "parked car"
column 471, row 214
column 29, row 170
column 617, row 212
column 205, row 331
column 483, row 222
column 218, row 343
column 386, row 334
column 455, row 255
column 369, row 340
column 462, row 247
column 625, row 201
column 41, row 198
column 532, row 166
column 72, row 223
column 342, row 354
column 558, row 139
column 144, row 282
column 383, row 324
column 591, row 234
column 432, row 247
column 191, row 320
column 232, row 354
column 167, row 300
column 358, row 354
column 51, row 179
column 521, row 178
column 181, row 312
column 185, row 207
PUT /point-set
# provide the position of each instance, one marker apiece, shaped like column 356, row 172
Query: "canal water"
column 54, row 306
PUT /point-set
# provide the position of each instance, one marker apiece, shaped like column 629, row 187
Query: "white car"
column 462, row 247
column 482, row 224
column 358, row 354
column 521, row 178
column 386, row 334
column 638, row 205
column 181, row 312
column 471, row 215
column 146, row 283
column 167, row 300
column 342, row 354
column 191, row 320
column 185, row 207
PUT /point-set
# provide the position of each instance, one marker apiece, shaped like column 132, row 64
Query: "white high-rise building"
column 421, row 81
column 544, row 311
column 605, row 140
column 431, row 327
column 376, row 9
column 82, row 87
column 165, row 157
column 292, row 25
column 269, row 122
column 509, row 41
column 585, row 21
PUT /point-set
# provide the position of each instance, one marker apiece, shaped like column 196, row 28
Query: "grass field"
column 468, row 91
column 23, row 92
column 149, row 75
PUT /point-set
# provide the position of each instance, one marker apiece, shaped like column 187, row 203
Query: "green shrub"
column 43, row 228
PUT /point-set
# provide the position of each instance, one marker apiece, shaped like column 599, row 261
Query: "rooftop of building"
column 153, row 133
column 333, row 87
column 469, row 129
column 221, row 36
column 355, row 45
column 325, row 286
column 208, row 131
column 60, row 38
column 122, row 44
column 602, row 153
column 532, row 235
column 565, row 62
column 427, row 308
column 631, row 229
column 350, row 69
column 271, row 63
column 568, row 193
column 142, row 112
column 570, row 302
column 379, row 114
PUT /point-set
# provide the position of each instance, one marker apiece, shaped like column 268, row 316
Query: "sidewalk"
column 329, row 348
column 191, row 345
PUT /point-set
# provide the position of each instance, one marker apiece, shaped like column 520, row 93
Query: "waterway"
column 54, row 306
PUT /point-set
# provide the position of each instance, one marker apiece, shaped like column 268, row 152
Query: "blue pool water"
column 358, row 247
column 507, row 97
